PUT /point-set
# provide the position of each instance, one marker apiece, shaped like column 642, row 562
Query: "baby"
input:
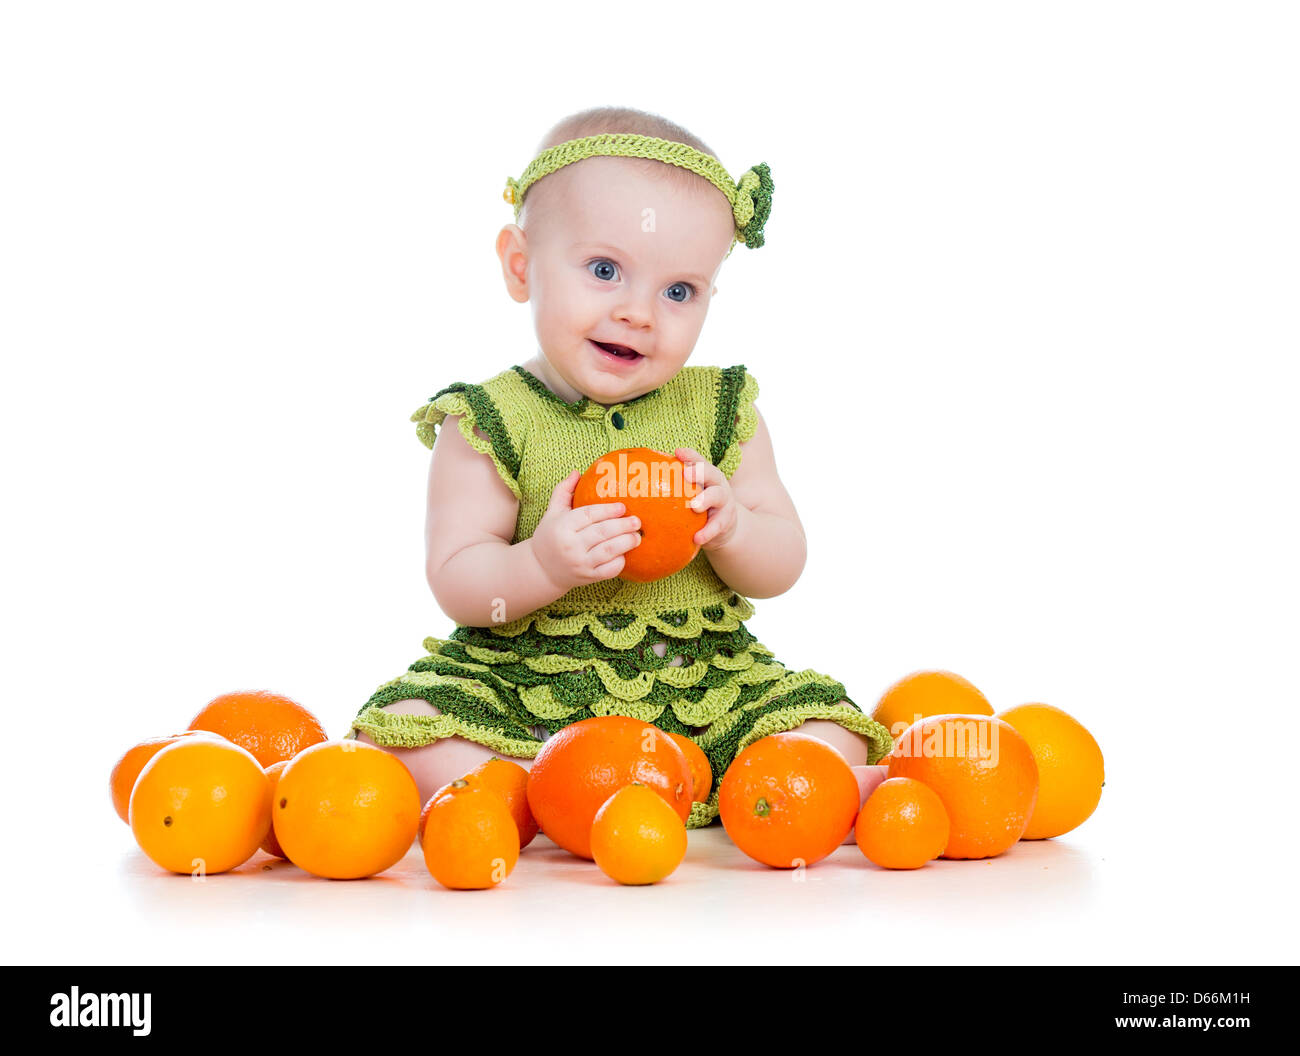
column 623, row 223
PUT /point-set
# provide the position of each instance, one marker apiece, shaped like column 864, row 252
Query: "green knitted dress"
column 592, row 651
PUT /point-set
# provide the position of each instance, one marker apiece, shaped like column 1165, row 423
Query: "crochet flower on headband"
column 750, row 196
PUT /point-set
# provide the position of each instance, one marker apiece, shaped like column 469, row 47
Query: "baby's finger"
column 609, row 569
column 602, row 530
column 700, row 474
column 562, row 493
column 716, row 526
column 614, row 547
column 598, row 511
column 711, row 496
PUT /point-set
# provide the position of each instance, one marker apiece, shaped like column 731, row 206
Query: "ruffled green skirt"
column 726, row 692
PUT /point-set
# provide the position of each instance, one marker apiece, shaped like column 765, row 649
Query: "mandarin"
column 128, row 767
column 271, row 845
column 470, row 840
column 651, row 485
column 200, row 804
column 788, row 800
column 269, row 725
column 902, row 825
column 701, row 771
column 345, row 809
column 505, row 779
column 924, row 693
column 636, row 837
column 586, row 762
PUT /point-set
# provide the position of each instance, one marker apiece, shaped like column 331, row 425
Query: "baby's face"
column 617, row 257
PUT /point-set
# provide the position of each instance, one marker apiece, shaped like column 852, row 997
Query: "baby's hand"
column 716, row 497
column 585, row 545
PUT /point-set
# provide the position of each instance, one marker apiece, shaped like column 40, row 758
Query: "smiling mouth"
column 621, row 351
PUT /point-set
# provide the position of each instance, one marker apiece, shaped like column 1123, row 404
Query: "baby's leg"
column 434, row 765
column 853, row 747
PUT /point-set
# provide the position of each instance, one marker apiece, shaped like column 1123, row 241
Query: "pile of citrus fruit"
column 256, row 770
column 970, row 782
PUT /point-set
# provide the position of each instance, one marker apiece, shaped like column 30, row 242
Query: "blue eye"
column 680, row 292
column 605, row 270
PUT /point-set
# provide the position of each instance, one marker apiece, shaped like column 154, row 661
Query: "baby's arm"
column 766, row 551
column 477, row 575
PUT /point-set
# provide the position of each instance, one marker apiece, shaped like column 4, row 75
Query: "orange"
column 902, row 825
column 1070, row 768
column 270, row 726
column 983, row 771
column 585, row 763
column 701, row 771
column 924, row 693
column 788, row 800
column 200, row 804
column 651, row 486
column 470, row 840
column 344, row 809
column 424, row 811
column 127, row 768
column 636, row 837
column 271, row 845
column 507, row 780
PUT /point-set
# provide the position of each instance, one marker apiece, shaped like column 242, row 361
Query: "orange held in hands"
column 636, row 837
column 1070, row 768
column 924, row 693
column 470, row 840
column 586, row 762
column 344, row 810
column 983, row 771
column 201, row 805
column 902, row 825
column 652, row 486
column 788, row 800
column 269, row 725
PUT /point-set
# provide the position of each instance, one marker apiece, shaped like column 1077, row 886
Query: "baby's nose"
column 634, row 313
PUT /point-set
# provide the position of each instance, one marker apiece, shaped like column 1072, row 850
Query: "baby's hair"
column 611, row 119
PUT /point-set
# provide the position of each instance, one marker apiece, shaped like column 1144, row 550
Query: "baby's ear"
column 512, row 251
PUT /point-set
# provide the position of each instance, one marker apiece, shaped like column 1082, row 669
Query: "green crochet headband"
column 750, row 196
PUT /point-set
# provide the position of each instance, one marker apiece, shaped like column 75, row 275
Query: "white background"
column 1025, row 330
